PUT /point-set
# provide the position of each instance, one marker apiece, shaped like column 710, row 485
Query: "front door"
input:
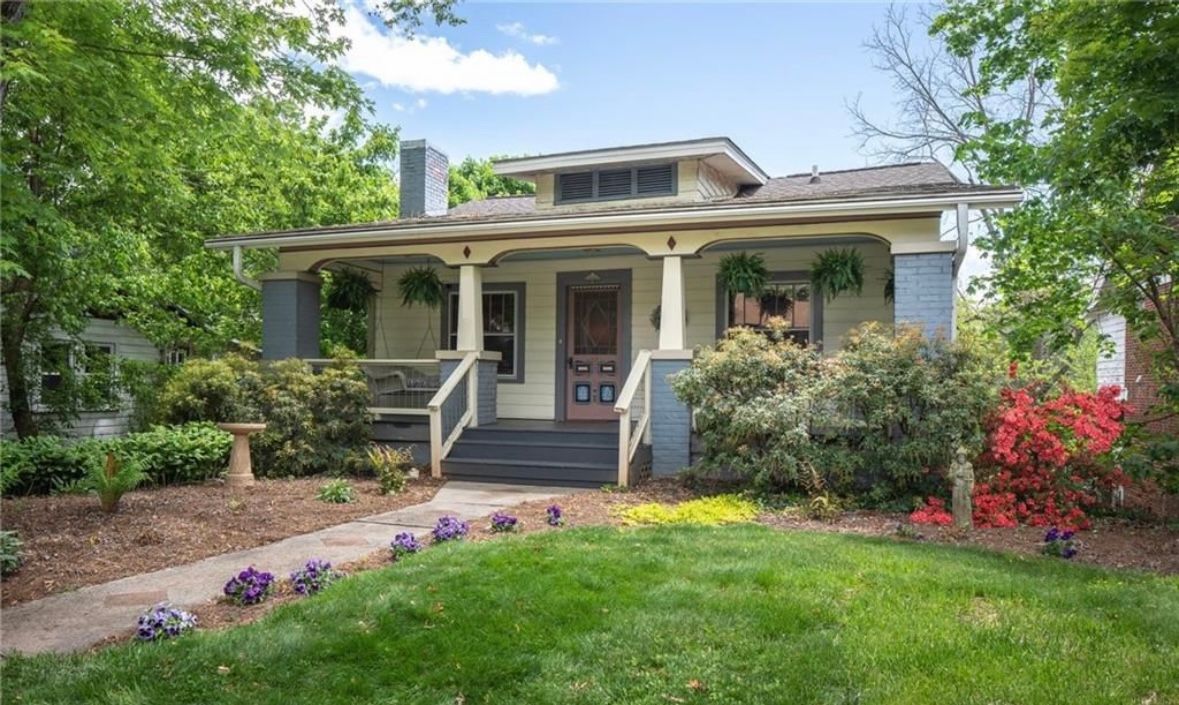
column 594, row 365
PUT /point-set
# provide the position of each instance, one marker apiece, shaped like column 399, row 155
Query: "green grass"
column 633, row 616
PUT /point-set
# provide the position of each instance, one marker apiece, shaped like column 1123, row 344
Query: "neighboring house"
column 550, row 366
column 1127, row 363
column 102, row 341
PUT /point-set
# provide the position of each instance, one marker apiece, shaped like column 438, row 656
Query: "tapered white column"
column 671, row 313
column 470, row 309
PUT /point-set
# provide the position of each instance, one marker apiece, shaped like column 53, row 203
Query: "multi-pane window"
column 789, row 300
column 611, row 184
column 86, row 371
column 501, row 334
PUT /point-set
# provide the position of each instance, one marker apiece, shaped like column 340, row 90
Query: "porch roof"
column 916, row 185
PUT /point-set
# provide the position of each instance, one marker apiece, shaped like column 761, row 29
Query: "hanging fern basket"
column 836, row 272
column 743, row 273
column 421, row 285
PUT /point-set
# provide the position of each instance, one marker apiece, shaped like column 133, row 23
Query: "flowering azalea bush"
column 932, row 512
column 250, row 586
column 449, row 529
column 164, row 622
column 404, row 544
column 1048, row 459
column 314, row 576
column 554, row 515
column 503, row 523
column 1060, row 543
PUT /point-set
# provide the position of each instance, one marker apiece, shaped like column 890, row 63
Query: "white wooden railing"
column 402, row 387
column 630, row 437
column 451, row 413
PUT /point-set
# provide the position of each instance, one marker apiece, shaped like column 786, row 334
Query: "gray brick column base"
column 671, row 422
column 924, row 292
column 290, row 315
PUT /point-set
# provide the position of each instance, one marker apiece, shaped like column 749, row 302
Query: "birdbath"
column 241, row 473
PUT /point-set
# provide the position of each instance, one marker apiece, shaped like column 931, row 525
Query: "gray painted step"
column 543, row 436
column 401, row 430
column 569, row 452
column 531, row 472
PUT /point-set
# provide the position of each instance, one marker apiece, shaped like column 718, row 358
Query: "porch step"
column 533, row 472
column 558, row 449
column 401, row 429
column 544, row 436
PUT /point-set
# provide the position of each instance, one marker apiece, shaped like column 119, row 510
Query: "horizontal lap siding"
column 400, row 329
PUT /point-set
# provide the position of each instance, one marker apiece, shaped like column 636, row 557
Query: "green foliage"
column 142, row 128
column 475, row 180
column 347, row 294
column 10, row 558
column 743, row 273
column 838, row 271
column 392, row 466
column 315, row 422
column 113, row 479
column 337, row 491
column 168, row 455
column 881, row 418
column 41, row 464
column 142, row 383
column 720, row 509
column 421, row 285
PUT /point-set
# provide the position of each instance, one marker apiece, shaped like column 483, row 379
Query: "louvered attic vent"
column 613, row 184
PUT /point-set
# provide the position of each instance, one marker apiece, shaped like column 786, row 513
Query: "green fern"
column 113, row 480
column 838, row 271
column 743, row 273
column 421, row 285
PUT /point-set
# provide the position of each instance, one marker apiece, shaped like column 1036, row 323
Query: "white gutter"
column 669, row 219
column 238, row 274
column 963, row 225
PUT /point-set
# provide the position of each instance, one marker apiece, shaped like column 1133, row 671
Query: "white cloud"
column 432, row 64
column 517, row 30
column 420, row 104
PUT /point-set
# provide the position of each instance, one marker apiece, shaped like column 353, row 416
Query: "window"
column 612, row 184
column 783, row 298
column 86, row 372
column 503, row 326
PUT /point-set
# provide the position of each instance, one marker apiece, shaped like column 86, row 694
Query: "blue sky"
column 535, row 78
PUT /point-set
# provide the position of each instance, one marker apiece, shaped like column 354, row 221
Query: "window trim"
column 559, row 199
column 77, row 366
column 516, row 288
column 796, row 276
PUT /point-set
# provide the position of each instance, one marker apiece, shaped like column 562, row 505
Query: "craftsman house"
column 561, row 315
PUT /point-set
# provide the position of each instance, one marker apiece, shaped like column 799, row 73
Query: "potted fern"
column 743, row 273
column 837, row 271
column 422, row 285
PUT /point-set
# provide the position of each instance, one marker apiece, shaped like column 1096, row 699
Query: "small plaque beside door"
column 582, row 368
column 581, row 393
column 606, row 393
column 607, row 368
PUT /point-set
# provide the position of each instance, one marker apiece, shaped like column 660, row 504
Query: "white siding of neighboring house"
column 399, row 331
column 1111, row 365
column 129, row 344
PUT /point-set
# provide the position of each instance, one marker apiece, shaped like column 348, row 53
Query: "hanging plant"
column 890, row 286
column 838, row 271
column 421, row 285
column 743, row 273
column 348, row 290
column 657, row 316
column 776, row 300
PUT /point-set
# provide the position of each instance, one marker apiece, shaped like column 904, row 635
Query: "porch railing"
column 402, row 387
column 633, row 430
column 452, row 409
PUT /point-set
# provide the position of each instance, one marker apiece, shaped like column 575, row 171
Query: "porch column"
column 470, row 309
column 671, row 420
column 923, row 292
column 290, row 315
column 671, row 313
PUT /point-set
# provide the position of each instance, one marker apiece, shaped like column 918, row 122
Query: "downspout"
column 963, row 226
column 237, row 271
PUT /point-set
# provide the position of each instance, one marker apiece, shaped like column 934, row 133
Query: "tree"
column 134, row 129
column 1105, row 230
column 474, row 179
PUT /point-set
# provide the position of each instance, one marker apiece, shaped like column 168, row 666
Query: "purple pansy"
column 404, row 544
column 314, row 576
column 555, row 516
column 250, row 586
column 449, row 529
column 163, row 622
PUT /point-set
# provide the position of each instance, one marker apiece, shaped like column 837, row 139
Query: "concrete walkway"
column 79, row 619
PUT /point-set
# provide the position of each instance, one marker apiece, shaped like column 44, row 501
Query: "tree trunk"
column 12, row 340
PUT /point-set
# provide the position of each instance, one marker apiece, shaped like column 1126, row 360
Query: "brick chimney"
column 424, row 180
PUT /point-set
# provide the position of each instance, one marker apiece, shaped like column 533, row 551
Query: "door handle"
column 570, row 363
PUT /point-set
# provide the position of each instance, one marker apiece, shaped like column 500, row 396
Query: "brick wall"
column 424, row 180
column 924, row 292
column 1142, row 385
column 671, row 422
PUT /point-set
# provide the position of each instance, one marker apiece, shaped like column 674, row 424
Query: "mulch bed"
column 69, row 543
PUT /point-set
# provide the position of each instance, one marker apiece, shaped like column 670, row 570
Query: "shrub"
column 250, row 586
column 932, row 512
column 881, row 417
column 1048, row 459
column 40, row 464
column 721, row 509
column 192, row 452
column 1060, row 544
column 315, row 575
column 337, row 491
column 10, row 558
column 391, row 466
column 503, row 523
column 112, row 480
column 449, row 529
column 404, row 544
column 210, row 390
column 164, row 622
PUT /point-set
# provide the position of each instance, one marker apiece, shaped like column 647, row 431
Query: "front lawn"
column 740, row 614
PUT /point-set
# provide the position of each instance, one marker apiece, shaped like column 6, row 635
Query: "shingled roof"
column 917, row 178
